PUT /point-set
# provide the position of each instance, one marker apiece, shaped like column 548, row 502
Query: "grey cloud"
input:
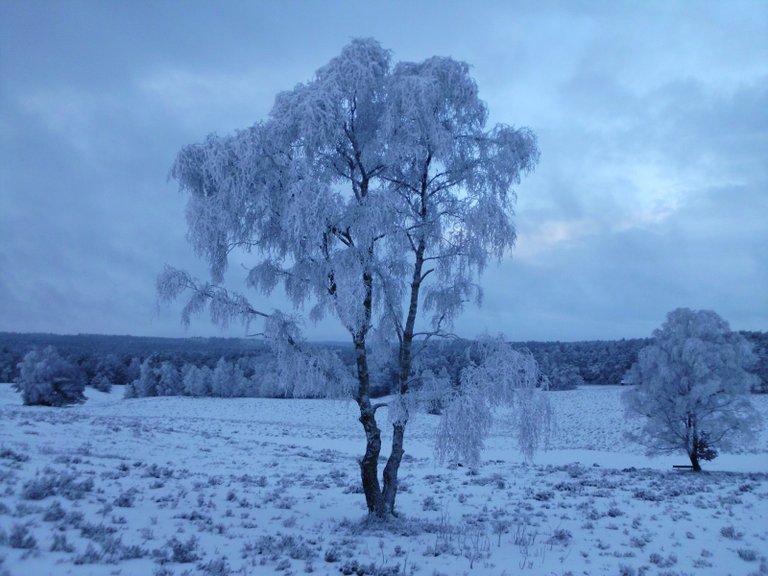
column 651, row 119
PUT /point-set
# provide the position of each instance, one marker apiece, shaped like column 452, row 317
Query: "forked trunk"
column 382, row 501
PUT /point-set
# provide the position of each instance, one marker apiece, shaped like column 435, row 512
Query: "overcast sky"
column 652, row 119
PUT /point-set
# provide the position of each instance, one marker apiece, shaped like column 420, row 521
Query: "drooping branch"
column 224, row 306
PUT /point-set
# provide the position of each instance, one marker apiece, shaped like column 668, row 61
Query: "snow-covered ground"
column 179, row 486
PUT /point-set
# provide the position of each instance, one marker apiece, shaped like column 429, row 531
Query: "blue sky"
column 652, row 119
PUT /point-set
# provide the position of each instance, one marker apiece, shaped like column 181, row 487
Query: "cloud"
column 652, row 121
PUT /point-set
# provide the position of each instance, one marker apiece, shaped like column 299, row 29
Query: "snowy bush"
column 47, row 379
column 216, row 567
column 182, row 552
column 21, row 538
column 102, row 383
column 53, row 483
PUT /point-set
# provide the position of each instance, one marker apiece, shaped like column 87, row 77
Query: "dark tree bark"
column 695, row 447
column 369, row 464
column 694, row 457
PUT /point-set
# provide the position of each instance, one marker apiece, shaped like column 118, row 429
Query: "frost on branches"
column 692, row 386
column 373, row 193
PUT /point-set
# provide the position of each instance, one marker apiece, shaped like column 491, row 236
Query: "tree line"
column 101, row 361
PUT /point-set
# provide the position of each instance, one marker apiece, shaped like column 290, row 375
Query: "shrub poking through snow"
column 183, row 552
column 53, row 483
column 21, row 538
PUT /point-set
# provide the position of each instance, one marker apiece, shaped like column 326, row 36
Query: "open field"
column 249, row 486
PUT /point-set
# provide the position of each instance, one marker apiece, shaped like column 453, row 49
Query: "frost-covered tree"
column 168, row 380
column 565, row 378
column 133, row 371
column 196, row 381
column 228, row 380
column 692, row 385
column 47, row 379
column 146, row 384
column 502, row 376
column 109, row 370
column 374, row 193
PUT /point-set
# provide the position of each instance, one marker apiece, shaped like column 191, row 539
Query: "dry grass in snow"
column 180, row 486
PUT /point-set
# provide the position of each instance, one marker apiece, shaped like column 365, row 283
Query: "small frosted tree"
column 47, row 379
column 146, row 384
column 196, row 381
column 110, row 369
column 692, row 385
column 501, row 376
column 373, row 193
column 228, row 380
column 168, row 380
column 565, row 378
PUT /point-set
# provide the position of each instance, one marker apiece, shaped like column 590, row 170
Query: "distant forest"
column 106, row 360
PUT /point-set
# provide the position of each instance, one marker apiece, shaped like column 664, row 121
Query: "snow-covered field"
column 165, row 486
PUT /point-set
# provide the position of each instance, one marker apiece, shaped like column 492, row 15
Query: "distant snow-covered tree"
column 374, row 193
column 146, row 384
column 564, row 378
column 168, row 380
column 133, row 371
column 8, row 363
column 47, row 379
column 101, row 383
column 692, row 385
column 196, row 381
column 109, row 370
column 434, row 390
column 227, row 380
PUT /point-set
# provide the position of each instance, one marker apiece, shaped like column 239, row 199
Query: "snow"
column 272, row 486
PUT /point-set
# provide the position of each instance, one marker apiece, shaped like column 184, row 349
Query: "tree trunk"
column 398, row 428
column 694, row 457
column 369, row 464
column 382, row 501
column 694, row 453
column 393, row 465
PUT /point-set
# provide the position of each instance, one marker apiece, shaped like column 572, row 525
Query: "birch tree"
column 374, row 193
column 692, row 386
